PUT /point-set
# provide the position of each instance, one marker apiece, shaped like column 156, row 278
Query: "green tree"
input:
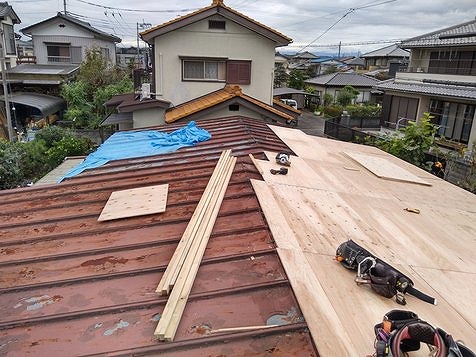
column 24, row 162
column 97, row 82
column 347, row 95
column 280, row 76
column 331, row 69
column 296, row 79
column 413, row 142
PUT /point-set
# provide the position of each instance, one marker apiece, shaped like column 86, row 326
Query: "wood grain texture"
column 135, row 202
column 327, row 198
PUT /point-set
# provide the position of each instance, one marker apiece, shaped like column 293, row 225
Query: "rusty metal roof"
column 71, row 285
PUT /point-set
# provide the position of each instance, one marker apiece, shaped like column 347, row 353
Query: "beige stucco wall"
column 148, row 117
column 236, row 42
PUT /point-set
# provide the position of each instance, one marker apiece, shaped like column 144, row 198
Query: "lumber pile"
column 182, row 269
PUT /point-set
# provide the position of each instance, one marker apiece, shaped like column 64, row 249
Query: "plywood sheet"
column 385, row 169
column 135, row 202
column 299, row 173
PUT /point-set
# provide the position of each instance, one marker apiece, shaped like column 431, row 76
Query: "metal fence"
column 333, row 129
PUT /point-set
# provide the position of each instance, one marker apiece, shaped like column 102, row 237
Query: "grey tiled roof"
column 78, row 22
column 446, row 90
column 462, row 34
column 388, row 51
column 343, row 79
column 6, row 10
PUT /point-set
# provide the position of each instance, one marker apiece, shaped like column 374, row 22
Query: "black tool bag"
column 403, row 331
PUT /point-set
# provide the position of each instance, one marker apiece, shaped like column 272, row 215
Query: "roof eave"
column 280, row 40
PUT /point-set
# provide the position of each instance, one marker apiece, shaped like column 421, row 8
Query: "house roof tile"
column 439, row 89
column 342, row 79
column 388, row 51
column 217, row 7
column 458, row 35
column 72, row 19
column 227, row 94
column 62, row 270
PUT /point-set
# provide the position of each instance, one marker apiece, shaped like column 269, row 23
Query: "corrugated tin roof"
column 388, row 51
column 445, row 90
column 46, row 104
column 458, row 35
column 73, row 285
column 343, row 79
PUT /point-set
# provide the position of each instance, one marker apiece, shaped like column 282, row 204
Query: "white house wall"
column 85, row 43
column 196, row 40
column 148, row 117
column 70, row 33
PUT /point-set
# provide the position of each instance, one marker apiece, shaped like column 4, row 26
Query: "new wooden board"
column 329, row 197
column 385, row 169
column 135, row 202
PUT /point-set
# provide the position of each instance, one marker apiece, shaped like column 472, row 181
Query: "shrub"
column 26, row 162
column 364, row 111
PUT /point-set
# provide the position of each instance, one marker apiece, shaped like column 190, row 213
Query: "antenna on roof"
column 64, row 6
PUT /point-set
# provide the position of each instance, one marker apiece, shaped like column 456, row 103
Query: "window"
column 63, row 53
column 105, row 53
column 204, row 70
column 10, row 48
column 216, row 25
column 455, row 119
column 220, row 70
column 238, row 72
column 453, row 62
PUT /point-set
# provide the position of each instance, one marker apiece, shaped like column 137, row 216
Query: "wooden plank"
column 385, row 169
column 170, row 275
column 191, row 272
column 175, row 306
column 135, row 202
column 253, row 160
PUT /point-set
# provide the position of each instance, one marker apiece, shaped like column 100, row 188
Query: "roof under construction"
column 268, row 282
column 71, row 283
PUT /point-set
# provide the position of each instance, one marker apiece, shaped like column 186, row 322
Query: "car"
column 290, row 102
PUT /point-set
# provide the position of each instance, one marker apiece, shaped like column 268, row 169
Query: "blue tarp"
column 127, row 145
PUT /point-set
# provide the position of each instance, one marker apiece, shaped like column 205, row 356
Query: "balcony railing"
column 59, row 59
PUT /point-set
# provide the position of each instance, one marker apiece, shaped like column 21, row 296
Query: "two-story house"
column 65, row 39
column 441, row 80
column 213, row 62
column 8, row 18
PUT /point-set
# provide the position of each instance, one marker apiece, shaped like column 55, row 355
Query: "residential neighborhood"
column 206, row 190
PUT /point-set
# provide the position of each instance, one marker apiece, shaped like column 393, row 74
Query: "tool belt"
column 384, row 279
column 403, row 331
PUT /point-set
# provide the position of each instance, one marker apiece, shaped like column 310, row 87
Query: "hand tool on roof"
column 281, row 171
column 383, row 278
column 283, row 158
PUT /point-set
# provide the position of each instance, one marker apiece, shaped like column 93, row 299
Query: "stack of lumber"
column 335, row 191
column 183, row 266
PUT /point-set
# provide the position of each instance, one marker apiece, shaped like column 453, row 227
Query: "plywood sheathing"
column 135, row 202
column 327, row 198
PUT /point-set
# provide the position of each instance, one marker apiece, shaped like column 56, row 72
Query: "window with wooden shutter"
column 238, row 72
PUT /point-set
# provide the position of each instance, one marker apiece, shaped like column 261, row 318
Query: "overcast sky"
column 309, row 23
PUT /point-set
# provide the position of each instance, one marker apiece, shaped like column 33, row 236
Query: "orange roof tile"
column 217, row 97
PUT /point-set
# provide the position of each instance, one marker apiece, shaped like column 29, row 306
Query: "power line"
column 361, row 43
column 351, row 10
column 135, row 10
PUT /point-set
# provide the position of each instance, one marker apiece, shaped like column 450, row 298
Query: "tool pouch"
column 383, row 284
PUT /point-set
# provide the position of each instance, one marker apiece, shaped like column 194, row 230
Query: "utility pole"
column 142, row 26
column 64, row 6
column 5, row 87
column 340, row 45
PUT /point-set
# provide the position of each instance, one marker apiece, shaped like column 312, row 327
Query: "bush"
column 21, row 163
column 366, row 111
column 333, row 111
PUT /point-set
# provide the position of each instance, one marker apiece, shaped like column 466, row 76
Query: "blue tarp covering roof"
column 127, row 145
